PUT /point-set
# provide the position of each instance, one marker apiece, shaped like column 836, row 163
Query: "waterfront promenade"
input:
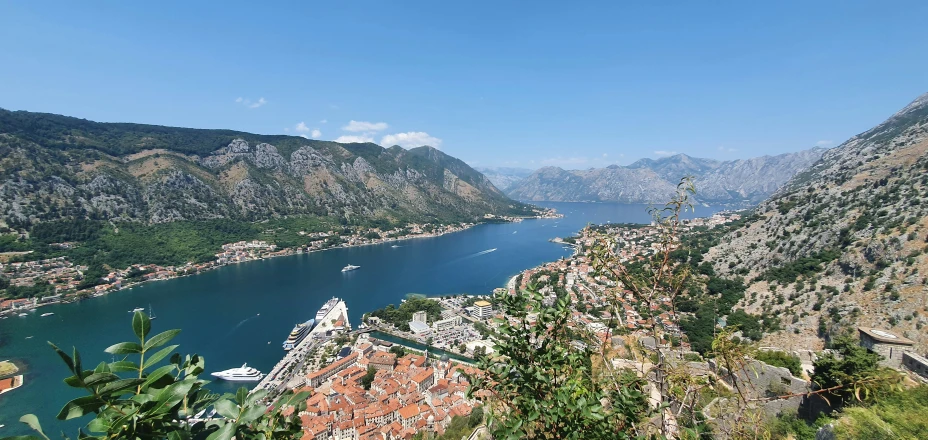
column 288, row 373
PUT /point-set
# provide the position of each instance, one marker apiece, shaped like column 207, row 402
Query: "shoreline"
column 286, row 252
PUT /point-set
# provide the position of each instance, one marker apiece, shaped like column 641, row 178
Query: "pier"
column 288, row 373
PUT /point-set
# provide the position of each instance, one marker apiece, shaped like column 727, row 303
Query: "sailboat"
column 151, row 313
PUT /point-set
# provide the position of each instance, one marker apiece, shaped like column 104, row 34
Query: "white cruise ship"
column 299, row 332
column 243, row 374
column 350, row 267
column 325, row 309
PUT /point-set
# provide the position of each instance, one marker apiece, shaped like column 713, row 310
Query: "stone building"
column 915, row 363
column 886, row 344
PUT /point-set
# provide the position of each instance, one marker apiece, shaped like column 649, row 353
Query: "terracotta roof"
column 409, row 411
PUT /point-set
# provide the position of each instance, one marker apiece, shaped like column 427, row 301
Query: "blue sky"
column 507, row 84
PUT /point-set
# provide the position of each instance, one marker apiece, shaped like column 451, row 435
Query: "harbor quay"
column 288, row 374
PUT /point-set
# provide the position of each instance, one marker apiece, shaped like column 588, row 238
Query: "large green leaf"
column 252, row 413
column 33, row 422
column 78, row 407
column 160, row 339
column 227, row 409
column 161, row 354
column 141, row 325
column 173, row 394
column 121, row 366
column 100, row 378
column 124, row 348
column 157, row 374
column 64, row 356
column 224, row 433
column 121, row 385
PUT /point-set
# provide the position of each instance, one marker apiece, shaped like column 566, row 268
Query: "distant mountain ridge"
column 505, row 177
column 57, row 167
column 736, row 183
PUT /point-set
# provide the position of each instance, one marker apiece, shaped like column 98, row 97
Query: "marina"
column 288, row 372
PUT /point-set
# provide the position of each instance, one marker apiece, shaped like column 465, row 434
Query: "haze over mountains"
column 736, row 183
column 56, row 167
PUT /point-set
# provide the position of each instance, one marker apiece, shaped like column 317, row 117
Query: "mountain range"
column 505, row 177
column 57, row 167
column 844, row 243
column 735, row 183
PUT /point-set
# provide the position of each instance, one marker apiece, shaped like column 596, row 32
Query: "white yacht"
column 47, row 314
column 137, row 309
column 325, row 309
column 299, row 332
column 242, row 374
column 350, row 267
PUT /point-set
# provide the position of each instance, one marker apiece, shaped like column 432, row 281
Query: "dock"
column 288, row 373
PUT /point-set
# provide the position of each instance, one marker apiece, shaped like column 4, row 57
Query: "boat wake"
column 474, row 255
column 241, row 323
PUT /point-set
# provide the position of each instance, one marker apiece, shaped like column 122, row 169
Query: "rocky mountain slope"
column 504, row 177
column 734, row 183
column 845, row 243
column 54, row 167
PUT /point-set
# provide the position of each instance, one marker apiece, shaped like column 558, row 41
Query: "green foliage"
column 748, row 324
column 807, row 266
column 729, row 292
column 852, row 364
column 781, row 359
column 790, row 426
column 897, row 415
column 401, row 316
column 67, row 230
column 368, row 377
column 543, row 381
column 12, row 243
column 139, row 396
column 700, row 328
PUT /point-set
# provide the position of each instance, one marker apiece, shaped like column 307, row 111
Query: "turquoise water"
column 242, row 313
column 433, row 351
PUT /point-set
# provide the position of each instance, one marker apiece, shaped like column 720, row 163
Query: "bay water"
column 241, row 313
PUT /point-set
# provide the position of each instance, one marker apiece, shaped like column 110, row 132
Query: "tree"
column 851, row 371
column 398, row 350
column 476, row 417
column 539, row 384
column 368, row 377
column 131, row 398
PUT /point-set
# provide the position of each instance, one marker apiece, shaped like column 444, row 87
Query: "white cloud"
column 354, row 139
column 664, row 153
column 258, row 103
column 410, row 139
column 727, row 150
column 356, row 126
column 823, row 143
column 305, row 131
column 324, row 121
column 249, row 103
